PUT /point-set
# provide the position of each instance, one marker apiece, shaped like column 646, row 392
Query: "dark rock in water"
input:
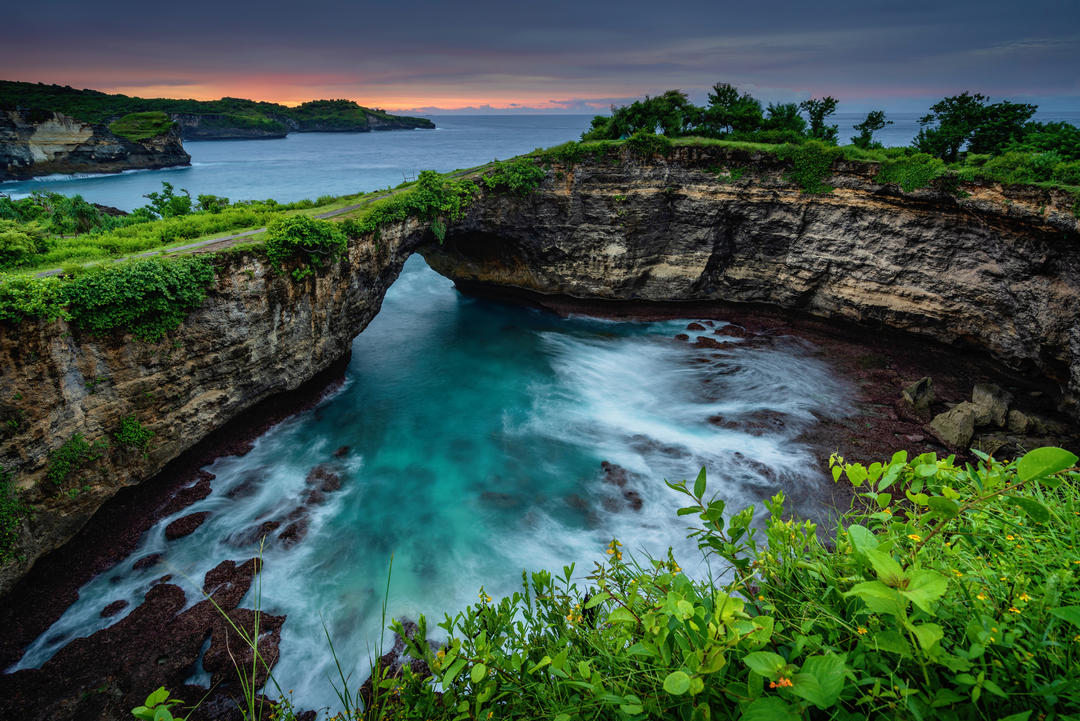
column 757, row 423
column 294, row 533
column 315, row 497
column 695, row 326
column 164, row 579
column 230, row 649
column 341, row 452
column 114, row 608
column 185, row 526
column 254, row 535
column 709, row 323
column 707, row 342
column 682, row 337
column 611, row 505
column 633, row 499
column 189, row 495
column 106, row 674
column 500, row 500
column 733, row 331
column 147, row 561
column 577, row 502
column 324, row 478
column 613, row 474
column 298, row 512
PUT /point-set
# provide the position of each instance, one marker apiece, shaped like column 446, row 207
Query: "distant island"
column 58, row 129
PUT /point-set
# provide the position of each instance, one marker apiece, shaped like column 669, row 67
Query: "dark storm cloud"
column 524, row 52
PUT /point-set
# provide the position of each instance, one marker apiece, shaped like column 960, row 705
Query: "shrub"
column 812, row 162
column 20, row 243
column 314, row 244
column 951, row 593
column 70, row 457
column 915, row 171
column 433, row 196
column 133, row 434
column 649, row 145
column 147, row 298
column 519, row 176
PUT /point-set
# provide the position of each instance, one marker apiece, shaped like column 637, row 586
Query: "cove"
column 476, row 432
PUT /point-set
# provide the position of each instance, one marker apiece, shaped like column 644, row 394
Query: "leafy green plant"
column 75, row 453
column 519, row 176
column 949, row 592
column 158, row 707
column 434, row 196
column 133, row 434
column 911, row 172
column 308, row 243
column 142, row 126
column 811, row 164
column 648, row 145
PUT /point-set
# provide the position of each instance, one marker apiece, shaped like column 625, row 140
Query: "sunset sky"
column 575, row 56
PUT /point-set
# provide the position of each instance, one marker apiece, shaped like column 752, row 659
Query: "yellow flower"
column 1014, row 609
column 618, row 556
column 860, row 630
column 915, row 537
column 887, row 511
column 981, row 597
column 440, row 653
column 1010, row 537
column 1025, row 597
column 611, row 551
column 760, row 598
column 958, row 573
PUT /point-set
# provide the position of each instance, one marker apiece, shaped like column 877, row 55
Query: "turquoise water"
column 476, row 432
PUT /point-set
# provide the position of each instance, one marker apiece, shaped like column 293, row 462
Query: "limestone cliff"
column 258, row 334
column 36, row 143
column 995, row 269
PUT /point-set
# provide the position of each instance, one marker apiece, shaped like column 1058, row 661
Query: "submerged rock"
column 185, row 526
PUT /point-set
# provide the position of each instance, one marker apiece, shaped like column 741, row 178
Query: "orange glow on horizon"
column 292, row 94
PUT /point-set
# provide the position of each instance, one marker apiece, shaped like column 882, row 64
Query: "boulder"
column 991, row 403
column 1017, row 422
column 919, row 395
column 956, row 426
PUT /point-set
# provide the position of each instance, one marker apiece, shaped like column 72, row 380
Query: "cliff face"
column 258, row 334
column 39, row 143
column 995, row 270
column 216, row 126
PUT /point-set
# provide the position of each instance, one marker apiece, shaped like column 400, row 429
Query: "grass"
column 141, row 126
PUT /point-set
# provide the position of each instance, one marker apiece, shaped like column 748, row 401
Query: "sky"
column 554, row 56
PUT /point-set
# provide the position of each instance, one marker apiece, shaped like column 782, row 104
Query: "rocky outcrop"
column 36, row 143
column 996, row 270
column 217, row 126
column 258, row 334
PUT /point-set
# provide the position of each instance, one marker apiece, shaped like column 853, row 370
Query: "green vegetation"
column 519, row 176
column 912, row 171
column 12, row 512
column 71, row 457
column 147, row 298
column 949, row 592
column 811, row 163
column 433, row 197
column 97, row 107
column 142, row 126
column 875, row 121
column 309, row 243
column 133, row 434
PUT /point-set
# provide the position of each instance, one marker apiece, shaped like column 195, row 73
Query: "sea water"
column 475, row 433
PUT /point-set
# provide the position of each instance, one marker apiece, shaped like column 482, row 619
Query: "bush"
column 519, row 176
column 142, row 126
column 147, row 298
column 432, row 197
column 133, row 434
column 72, row 456
column 20, row 243
column 314, row 243
column 648, row 145
column 951, row 593
column 812, row 162
column 915, row 171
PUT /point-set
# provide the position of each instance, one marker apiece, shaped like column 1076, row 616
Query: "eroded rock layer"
column 34, row 143
column 984, row 267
